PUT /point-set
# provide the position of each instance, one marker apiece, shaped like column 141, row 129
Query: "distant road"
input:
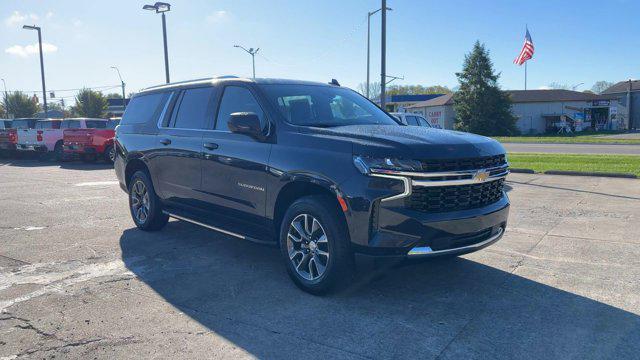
column 573, row 148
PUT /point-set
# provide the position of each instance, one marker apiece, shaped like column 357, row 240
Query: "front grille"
column 463, row 164
column 452, row 198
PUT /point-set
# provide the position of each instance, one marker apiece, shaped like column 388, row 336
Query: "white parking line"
column 97, row 183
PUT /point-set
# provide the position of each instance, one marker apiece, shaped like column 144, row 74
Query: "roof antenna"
column 334, row 82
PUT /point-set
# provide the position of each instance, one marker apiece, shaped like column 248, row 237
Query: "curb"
column 575, row 173
column 522, row 171
column 580, row 173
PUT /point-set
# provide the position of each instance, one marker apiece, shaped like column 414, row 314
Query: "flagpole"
column 525, row 75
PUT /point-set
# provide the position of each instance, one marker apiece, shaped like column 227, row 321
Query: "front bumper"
column 393, row 228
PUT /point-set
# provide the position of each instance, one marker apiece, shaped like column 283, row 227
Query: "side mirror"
column 247, row 123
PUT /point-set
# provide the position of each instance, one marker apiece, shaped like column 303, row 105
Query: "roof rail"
column 227, row 77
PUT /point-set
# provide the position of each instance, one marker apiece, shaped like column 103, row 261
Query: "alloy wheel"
column 112, row 154
column 308, row 247
column 140, row 201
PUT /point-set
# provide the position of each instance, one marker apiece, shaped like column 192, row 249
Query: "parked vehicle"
column 316, row 169
column 5, row 124
column 93, row 142
column 9, row 136
column 411, row 119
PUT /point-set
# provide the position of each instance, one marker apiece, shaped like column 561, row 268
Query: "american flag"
column 527, row 50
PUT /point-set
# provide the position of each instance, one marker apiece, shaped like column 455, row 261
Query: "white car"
column 411, row 119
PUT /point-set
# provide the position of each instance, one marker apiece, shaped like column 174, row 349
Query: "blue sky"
column 576, row 41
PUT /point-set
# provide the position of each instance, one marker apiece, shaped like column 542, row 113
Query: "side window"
column 193, row 109
column 143, row 108
column 237, row 99
column 423, row 122
column 412, row 120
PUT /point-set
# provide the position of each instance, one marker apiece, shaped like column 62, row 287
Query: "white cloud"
column 25, row 51
column 17, row 18
column 49, row 15
column 545, row 88
column 219, row 16
column 76, row 23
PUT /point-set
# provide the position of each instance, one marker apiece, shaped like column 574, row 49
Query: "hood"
column 413, row 142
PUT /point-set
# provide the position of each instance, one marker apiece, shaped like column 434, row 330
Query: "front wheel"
column 144, row 204
column 314, row 243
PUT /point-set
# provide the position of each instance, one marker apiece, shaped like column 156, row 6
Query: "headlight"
column 366, row 164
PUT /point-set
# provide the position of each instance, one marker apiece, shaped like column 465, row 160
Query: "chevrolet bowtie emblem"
column 481, row 176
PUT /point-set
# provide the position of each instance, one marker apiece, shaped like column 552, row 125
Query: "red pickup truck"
column 96, row 141
column 9, row 134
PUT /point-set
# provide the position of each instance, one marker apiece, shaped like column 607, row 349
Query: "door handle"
column 165, row 141
column 210, row 146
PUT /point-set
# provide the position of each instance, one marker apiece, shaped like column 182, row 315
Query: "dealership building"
column 540, row 111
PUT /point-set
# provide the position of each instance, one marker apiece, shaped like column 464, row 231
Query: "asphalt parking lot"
column 77, row 280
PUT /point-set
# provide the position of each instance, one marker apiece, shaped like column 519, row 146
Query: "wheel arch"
column 133, row 165
column 301, row 187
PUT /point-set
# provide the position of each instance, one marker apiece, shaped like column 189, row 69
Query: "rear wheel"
column 110, row 154
column 314, row 243
column 144, row 204
column 58, row 152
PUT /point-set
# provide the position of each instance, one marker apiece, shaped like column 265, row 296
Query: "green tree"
column 3, row 114
column 480, row 106
column 601, row 86
column 20, row 104
column 90, row 103
column 113, row 96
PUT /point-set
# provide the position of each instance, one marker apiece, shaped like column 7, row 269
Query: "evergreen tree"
column 480, row 106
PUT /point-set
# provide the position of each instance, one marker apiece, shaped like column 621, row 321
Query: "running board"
column 214, row 228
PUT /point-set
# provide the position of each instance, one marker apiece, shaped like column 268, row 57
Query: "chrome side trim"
column 205, row 225
column 427, row 251
column 436, row 174
column 405, row 181
column 432, row 183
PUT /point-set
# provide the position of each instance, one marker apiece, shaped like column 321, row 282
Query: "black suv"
column 315, row 168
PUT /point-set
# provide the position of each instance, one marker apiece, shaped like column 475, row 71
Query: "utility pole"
column 252, row 52
column 6, row 97
column 369, row 14
column 161, row 8
column 124, row 103
column 383, row 60
column 44, row 88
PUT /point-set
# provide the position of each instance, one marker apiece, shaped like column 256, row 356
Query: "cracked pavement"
column 77, row 280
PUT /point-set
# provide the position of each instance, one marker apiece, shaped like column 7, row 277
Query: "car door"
column 234, row 165
column 178, row 155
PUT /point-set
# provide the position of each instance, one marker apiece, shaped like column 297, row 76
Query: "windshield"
column 111, row 124
column 324, row 106
column 96, row 124
column 23, row 124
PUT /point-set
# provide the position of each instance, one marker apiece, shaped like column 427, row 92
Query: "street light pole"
column 6, row 97
column 383, row 60
column 253, row 53
column 369, row 14
column 124, row 103
column 44, row 88
column 161, row 8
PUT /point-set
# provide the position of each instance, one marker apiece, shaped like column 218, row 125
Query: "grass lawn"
column 580, row 138
column 628, row 164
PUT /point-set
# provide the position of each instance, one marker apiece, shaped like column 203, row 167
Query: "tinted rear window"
column 24, row 124
column 96, row 124
column 111, row 124
column 70, row 124
column 6, row 124
column 144, row 108
column 48, row 125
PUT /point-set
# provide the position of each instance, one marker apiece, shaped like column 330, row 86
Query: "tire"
column 109, row 154
column 58, row 152
column 151, row 217
column 337, row 263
